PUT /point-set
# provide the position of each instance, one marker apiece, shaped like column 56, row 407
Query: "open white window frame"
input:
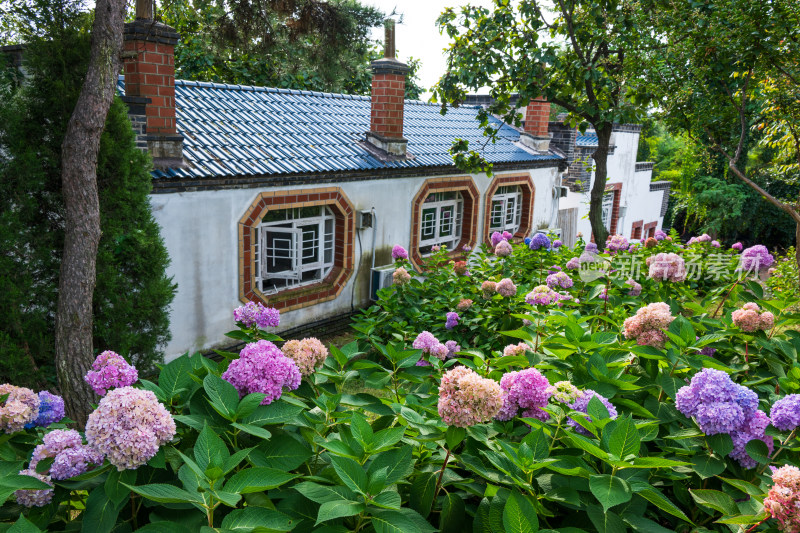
column 294, row 252
column 441, row 221
column 608, row 207
column 506, row 210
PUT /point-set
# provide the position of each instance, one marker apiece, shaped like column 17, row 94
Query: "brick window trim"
column 469, row 220
column 636, row 229
column 525, row 183
column 649, row 229
column 307, row 295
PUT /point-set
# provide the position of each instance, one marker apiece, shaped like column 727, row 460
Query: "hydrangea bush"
column 583, row 400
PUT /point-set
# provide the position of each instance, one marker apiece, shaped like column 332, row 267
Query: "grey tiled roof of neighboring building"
column 233, row 130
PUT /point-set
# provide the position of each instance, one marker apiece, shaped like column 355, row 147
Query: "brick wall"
column 537, row 118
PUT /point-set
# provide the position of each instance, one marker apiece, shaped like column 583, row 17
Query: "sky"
column 418, row 35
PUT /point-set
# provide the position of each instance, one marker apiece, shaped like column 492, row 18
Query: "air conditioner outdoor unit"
column 381, row 278
column 551, row 231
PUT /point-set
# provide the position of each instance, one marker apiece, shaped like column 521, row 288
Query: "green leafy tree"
column 582, row 55
column 299, row 44
column 716, row 85
column 132, row 293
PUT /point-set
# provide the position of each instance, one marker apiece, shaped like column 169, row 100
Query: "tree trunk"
column 600, row 157
column 74, row 353
column 797, row 250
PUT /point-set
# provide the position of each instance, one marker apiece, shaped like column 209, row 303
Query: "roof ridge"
column 254, row 88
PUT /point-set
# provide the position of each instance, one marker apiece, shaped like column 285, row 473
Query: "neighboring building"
column 633, row 206
column 289, row 197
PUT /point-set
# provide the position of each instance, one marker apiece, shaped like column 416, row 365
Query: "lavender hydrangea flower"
column 660, row 235
column 51, row 410
column 785, row 413
column 539, row 241
column 581, row 404
column 20, row 408
column 528, row 390
column 542, row 295
column 110, row 370
column 255, row 314
column 755, row 258
column 399, row 253
column 635, row 288
column 557, row 244
column 34, row 498
column 616, row 243
column 452, row 320
column 573, row 264
column 128, row 426
column 496, row 239
column 590, row 247
column 737, row 246
column 263, row 368
column 74, row 462
column 506, row 288
column 452, row 348
column 54, row 443
column 559, row 279
column 425, row 341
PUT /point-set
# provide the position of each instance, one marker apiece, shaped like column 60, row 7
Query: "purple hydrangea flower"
column 34, row 498
column 110, row 371
column 581, row 404
column 452, row 320
column 399, row 253
column 591, row 248
column 718, row 404
column 528, row 390
column 785, row 413
column 573, row 264
column 539, row 241
column 737, row 246
column 54, row 443
column 452, row 348
column 752, row 428
column 756, row 258
column 496, row 239
column 51, row 410
column 255, row 314
column 503, row 249
column 715, row 244
column 542, row 295
column 128, row 426
column 635, row 288
column 660, row 235
column 425, row 341
column 617, row 243
column 557, row 244
column 262, row 367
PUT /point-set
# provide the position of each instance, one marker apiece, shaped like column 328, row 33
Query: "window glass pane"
column 497, row 213
column 328, row 240
column 511, row 209
column 310, row 251
column 446, row 219
column 428, row 223
column 279, row 252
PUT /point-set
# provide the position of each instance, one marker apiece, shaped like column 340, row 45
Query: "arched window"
column 442, row 216
column 506, row 209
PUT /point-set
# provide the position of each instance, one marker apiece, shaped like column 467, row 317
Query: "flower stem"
column 441, row 474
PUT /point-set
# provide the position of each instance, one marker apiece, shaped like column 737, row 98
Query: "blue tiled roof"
column 234, row 130
column 586, row 139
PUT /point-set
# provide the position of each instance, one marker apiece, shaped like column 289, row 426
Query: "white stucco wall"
column 201, row 234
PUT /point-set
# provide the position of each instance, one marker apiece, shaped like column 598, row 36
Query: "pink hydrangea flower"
column 506, row 288
column 783, row 499
column 528, row 390
column 464, row 304
column 54, row 443
column 616, row 243
column 635, row 288
column 401, row 276
column 542, row 295
column 20, row 408
column 109, row 371
column 515, row 349
column 399, row 253
column 503, row 249
column 748, row 318
column 667, row 267
column 263, row 368
column 559, row 279
column 128, row 426
column 737, row 246
column 307, row 354
column 466, row 399
column 573, row 264
column 648, row 325
column 488, row 289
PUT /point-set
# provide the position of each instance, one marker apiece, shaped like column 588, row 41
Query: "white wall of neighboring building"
column 200, row 230
column 637, row 201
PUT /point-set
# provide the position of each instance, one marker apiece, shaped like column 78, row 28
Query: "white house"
column 289, row 197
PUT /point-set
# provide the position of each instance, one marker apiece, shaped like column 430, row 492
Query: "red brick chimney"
column 537, row 116
column 388, row 96
column 149, row 54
